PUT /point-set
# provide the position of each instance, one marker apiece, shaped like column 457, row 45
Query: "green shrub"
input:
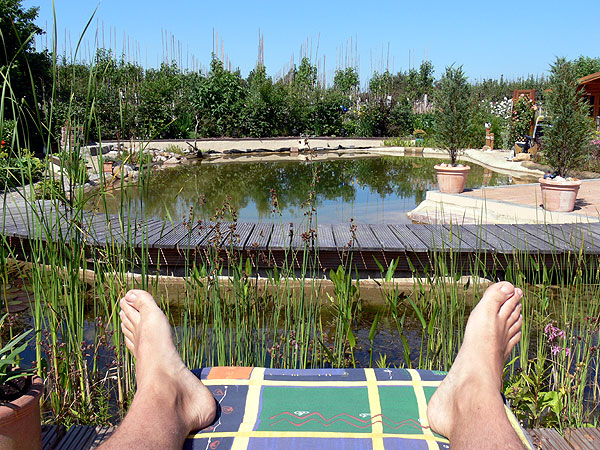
column 521, row 118
column 49, row 188
column 567, row 138
column 20, row 170
column 453, row 115
column 7, row 128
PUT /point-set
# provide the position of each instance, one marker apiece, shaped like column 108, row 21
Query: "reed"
column 224, row 318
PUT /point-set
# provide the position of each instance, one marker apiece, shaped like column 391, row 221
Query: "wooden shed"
column 591, row 85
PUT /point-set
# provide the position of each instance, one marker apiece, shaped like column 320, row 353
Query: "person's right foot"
column 160, row 373
column 493, row 329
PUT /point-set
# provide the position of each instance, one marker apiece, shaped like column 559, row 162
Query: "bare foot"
column 493, row 329
column 160, row 373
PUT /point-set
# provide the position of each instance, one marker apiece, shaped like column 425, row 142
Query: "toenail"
column 506, row 288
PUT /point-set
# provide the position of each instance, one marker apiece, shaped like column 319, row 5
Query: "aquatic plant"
column 226, row 314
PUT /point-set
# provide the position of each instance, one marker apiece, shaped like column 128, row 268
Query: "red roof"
column 589, row 78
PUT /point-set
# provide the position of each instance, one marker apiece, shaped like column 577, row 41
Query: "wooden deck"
column 80, row 437
column 172, row 245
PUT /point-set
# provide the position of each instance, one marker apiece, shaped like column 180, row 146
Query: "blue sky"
column 510, row 38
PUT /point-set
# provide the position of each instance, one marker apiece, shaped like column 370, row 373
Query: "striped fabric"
column 321, row 409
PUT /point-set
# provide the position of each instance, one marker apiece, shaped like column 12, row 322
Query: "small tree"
column 566, row 139
column 452, row 101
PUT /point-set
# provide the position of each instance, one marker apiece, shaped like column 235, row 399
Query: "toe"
column 515, row 315
column 132, row 314
column 516, row 327
column 510, row 305
column 497, row 294
column 125, row 322
column 140, row 299
column 513, row 341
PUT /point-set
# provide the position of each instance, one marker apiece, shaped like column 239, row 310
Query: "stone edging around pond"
column 370, row 288
column 161, row 156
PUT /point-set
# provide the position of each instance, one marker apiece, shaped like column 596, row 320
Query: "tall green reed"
column 230, row 315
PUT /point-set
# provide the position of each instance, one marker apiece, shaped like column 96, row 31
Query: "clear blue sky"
column 513, row 38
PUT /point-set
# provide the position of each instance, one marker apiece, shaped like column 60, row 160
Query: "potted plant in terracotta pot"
column 566, row 138
column 20, row 392
column 453, row 127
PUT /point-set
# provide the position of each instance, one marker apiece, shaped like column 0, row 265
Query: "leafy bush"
column 373, row 119
column 453, row 112
column 402, row 119
column 10, row 353
column 48, row 189
column 521, row 118
column 7, row 128
column 20, row 170
column 567, row 137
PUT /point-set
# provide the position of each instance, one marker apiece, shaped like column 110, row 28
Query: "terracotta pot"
column 559, row 195
column 108, row 167
column 451, row 180
column 20, row 421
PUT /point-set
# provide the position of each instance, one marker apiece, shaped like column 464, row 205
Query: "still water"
column 374, row 189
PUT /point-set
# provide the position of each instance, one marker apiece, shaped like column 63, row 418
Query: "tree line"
column 112, row 98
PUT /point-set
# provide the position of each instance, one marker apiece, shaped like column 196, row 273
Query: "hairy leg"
column 467, row 407
column 170, row 401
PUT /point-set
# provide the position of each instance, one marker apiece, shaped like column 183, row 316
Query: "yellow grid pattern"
column 256, row 381
column 422, row 405
column 375, row 407
column 242, row 437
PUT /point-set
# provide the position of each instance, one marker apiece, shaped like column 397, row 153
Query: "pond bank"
column 174, row 288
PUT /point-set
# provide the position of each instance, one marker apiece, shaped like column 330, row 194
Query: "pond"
column 369, row 189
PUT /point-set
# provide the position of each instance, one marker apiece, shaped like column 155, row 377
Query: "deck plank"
column 576, row 237
column 146, row 232
column 549, row 439
column 102, row 434
column 325, row 240
column 367, row 241
column 514, row 238
column 592, row 231
column 237, row 237
column 209, row 234
column 482, row 233
column 174, row 234
column 75, row 438
column 470, row 242
column 583, row 438
column 259, row 238
column 532, row 243
column 344, row 237
column 550, row 235
column 542, row 237
column 387, row 238
column 280, row 237
column 442, row 239
column 409, row 239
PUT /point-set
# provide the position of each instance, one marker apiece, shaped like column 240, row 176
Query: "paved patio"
column 587, row 204
column 506, row 204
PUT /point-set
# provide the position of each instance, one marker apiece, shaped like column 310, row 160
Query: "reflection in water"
column 369, row 190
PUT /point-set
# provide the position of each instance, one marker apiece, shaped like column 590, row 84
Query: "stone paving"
column 506, row 204
column 587, row 204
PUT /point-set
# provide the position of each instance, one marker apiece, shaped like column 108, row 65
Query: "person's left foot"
column 160, row 373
